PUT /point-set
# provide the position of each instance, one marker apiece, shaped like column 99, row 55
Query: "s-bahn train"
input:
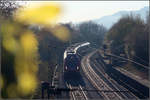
column 71, row 58
column 71, row 62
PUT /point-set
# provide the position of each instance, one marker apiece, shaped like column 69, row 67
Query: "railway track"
column 99, row 67
column 97, row 82
column 101, row 81
column 135, row 92
column 104, row 84
column 77, row 92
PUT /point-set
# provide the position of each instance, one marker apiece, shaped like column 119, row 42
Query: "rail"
column 77, row 92
column 98, row 83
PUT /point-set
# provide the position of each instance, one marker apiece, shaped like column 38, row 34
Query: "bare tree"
column 7, row 8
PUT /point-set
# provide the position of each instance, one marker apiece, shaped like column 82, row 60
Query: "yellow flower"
column 27, row 83
column 61, row 33
column 43, row 14
column 29, row 43
column 1, row 81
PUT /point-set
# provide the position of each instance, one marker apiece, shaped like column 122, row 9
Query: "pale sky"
column 78, row 11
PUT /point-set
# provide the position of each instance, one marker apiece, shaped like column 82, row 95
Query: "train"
column 72, row 57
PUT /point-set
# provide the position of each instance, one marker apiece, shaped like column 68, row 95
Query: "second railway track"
column 99, row 67
column 106, row 87
column 77, row 92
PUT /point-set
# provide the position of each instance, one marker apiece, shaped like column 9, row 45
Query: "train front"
column 71, row 63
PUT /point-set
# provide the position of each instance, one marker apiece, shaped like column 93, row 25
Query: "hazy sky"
column 77, row 11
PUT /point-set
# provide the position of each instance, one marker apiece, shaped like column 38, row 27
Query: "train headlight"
column 77, row 67
column 66, row 67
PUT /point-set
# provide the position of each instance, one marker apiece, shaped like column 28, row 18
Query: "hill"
column 109, row 20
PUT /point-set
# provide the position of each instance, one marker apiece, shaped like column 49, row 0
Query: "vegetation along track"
column 77, row 92
column 99, row 83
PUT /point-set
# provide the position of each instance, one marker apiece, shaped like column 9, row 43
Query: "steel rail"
column 105, row 85
column 72, row 94
column 132, row 88
column 94, row 83
column 77, row 92
column 83, row 92
column 98, row 83
column 103, row 75
column 115, row 85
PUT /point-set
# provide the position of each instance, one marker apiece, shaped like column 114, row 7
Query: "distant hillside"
column 108, row 21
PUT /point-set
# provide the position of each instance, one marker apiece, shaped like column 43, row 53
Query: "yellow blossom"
column 44, row 14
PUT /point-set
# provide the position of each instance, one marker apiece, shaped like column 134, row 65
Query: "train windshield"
column 72, row 60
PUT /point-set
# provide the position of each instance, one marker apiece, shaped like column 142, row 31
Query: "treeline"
column 130, row 36
column 92, row 32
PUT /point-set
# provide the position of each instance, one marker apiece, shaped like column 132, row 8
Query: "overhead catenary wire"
column 113, row 55
column 132, row 55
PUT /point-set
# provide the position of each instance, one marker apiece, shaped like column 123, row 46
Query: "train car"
column 72, row 59
column 83, row 48
column 71, row 62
